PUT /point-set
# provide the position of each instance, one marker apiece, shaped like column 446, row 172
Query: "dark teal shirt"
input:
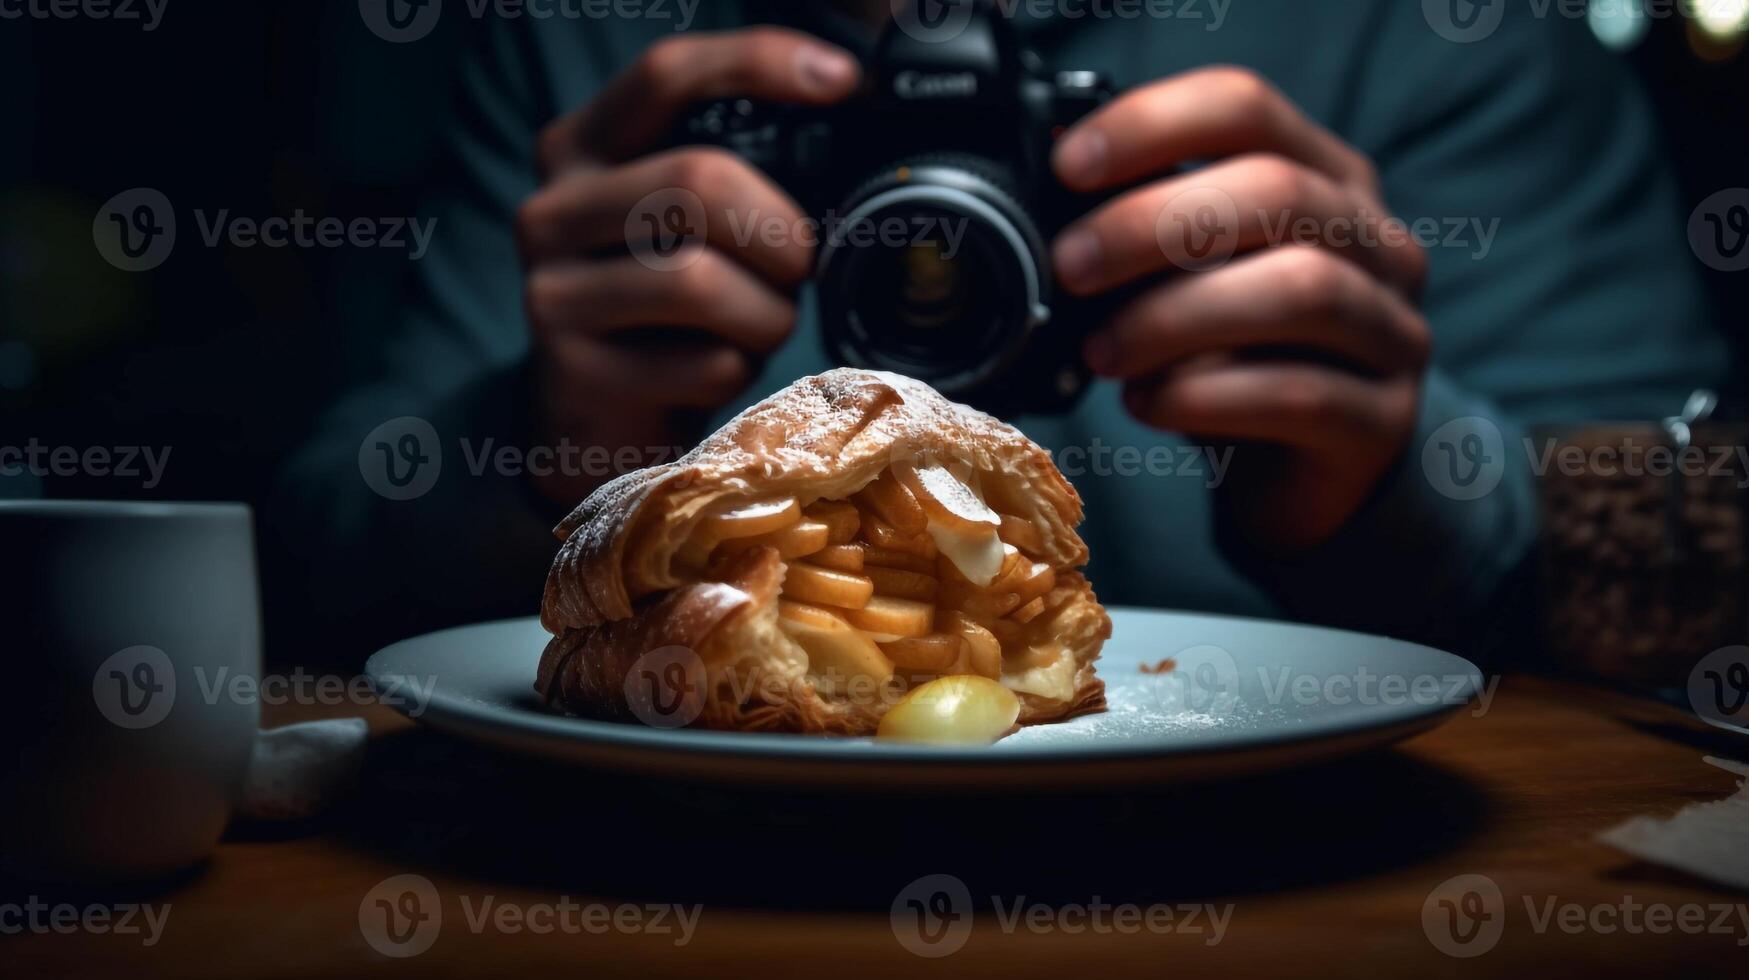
column 1561, row 289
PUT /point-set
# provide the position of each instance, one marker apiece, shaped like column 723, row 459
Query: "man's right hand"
column 627, row 350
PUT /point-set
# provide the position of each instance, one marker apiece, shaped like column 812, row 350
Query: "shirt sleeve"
column 1561, row 289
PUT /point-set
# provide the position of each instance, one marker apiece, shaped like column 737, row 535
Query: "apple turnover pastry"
column 825, row 559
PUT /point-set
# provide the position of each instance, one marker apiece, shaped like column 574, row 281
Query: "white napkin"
column 1706, row 839
column 298, row 770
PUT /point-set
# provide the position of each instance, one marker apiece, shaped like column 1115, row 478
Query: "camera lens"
column 933, row 271
column 932, row 285
column 933, row 304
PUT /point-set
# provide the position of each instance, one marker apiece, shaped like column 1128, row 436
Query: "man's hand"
column 628, row 350
column 1310, row 348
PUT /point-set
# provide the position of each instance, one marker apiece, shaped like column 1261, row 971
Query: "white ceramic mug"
column 121, row 622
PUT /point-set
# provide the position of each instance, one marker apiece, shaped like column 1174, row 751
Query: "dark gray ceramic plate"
column 1240, row 696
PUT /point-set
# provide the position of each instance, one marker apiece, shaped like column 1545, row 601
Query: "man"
column 1546, row 279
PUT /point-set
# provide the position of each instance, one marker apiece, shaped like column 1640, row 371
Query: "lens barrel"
column 933, row 269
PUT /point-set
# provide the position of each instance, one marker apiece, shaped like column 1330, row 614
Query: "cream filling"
column 1054, row 680
column 977, row 556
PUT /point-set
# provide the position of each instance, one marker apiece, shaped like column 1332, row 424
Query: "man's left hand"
column 1288, row 322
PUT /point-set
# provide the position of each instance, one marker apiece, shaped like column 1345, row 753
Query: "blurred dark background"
column 271, row 108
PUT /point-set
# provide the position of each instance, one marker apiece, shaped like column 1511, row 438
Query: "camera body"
column 936, row 207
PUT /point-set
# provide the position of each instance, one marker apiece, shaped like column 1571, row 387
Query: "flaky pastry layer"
column 619, row 588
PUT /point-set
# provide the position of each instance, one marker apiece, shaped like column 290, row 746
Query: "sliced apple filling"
column 912, row 579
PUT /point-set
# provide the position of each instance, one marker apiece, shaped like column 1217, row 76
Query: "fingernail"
column 825, row 69
column 1077, row 256
column 1081, row 157
column 1100, row 350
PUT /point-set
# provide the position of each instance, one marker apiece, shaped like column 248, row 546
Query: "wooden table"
column 1324, row 871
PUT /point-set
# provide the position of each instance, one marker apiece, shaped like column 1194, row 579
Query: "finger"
column 591, row 372
column 590, row 210
column 711, row 294
column 639, row 107
column 1299, row 405
column 1199, row 220
column 1296, row 296
column 1207, row 114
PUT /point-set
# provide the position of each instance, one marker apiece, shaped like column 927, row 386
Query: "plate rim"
column 481, row 719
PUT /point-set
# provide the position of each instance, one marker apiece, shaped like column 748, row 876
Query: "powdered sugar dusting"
column 1139, row 710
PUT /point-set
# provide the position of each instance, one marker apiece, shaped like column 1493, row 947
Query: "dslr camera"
column 936, row 206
